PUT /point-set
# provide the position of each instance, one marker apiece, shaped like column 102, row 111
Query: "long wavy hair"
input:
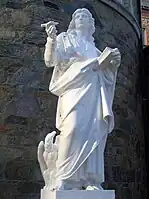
column 72, row 26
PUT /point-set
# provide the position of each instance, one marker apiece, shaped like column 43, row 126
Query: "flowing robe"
column 84, row 111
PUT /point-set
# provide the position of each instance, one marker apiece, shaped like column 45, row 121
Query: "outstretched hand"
column 50, row 28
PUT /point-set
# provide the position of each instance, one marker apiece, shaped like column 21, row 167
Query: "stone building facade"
column 145, row 21
column 27, row 108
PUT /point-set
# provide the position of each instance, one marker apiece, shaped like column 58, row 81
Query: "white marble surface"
column 76, row 194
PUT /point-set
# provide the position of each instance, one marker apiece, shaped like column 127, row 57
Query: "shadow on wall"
column 145, row 100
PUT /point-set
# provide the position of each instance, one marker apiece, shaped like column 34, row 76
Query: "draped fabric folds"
column 84, row 111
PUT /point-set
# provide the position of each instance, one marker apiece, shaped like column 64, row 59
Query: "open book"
column 103, row 60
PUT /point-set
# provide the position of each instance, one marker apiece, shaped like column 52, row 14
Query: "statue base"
column 81, row 194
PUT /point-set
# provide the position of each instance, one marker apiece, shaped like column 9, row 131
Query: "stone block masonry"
column 27, row 108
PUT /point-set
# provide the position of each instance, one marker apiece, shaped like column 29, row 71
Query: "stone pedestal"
column 78, row 194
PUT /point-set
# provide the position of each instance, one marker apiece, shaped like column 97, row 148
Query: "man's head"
column 82, row 19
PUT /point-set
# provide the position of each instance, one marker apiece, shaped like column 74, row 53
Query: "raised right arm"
column 54, row 50
column 50, row 52
column 50, row 46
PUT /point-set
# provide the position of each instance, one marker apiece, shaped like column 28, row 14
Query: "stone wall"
column 145, row 26
column 27, row 108
column 145, row 104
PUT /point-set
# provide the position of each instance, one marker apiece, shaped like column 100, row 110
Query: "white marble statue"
column 84, row 80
